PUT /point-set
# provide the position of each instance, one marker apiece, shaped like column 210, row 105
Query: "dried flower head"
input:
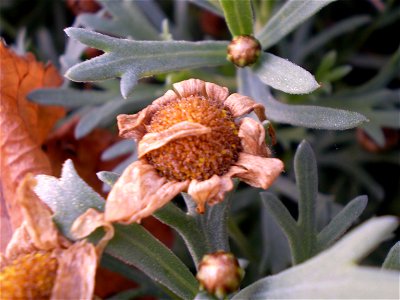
column 190, row 140
column 244, row 50
column 219, row 273
column 39, row 263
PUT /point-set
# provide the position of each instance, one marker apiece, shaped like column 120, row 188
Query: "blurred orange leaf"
column 24, row 125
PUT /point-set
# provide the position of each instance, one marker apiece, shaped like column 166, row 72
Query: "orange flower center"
column 195, row 157
column 29, row 277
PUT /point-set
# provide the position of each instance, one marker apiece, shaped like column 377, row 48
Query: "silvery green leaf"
column 188, row 229
column 120, row 148
column 284, row 75
column 332, row 274
column 238, row 16
column 275, row 251
column 135, row 246
column 69, row 97
column 100, row 23
column 68, row 197
column 338, row 29
column 109, row 178
column 297, row 115
column 106, row 114
column 128, row 14
column 341, row 222
column 289, row 16
column 212, row 6
column 132, row 60
column 392, row 260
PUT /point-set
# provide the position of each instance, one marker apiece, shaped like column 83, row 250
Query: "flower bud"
column 244, row 50
column 219, row 273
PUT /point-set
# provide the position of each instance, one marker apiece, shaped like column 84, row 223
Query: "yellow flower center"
column 29, row 277
column 195, row 157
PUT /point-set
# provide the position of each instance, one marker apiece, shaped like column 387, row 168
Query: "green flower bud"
column 244, row 50
column 219, row 273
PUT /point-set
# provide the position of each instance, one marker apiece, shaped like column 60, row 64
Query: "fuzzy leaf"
column 238, row 16
column 392, row 260
column 68, row 197
column 69, row 97
column 120, row 148
column 289, row 16
column 107, row 177
column 341, row 222
column 297, row 115
column 332, row 273
column 136, row 246
column 284, row 75
column 127, row 14
column 132, row 60
column 338, row 29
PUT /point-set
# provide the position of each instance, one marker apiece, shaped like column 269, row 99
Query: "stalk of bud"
column 219, row 273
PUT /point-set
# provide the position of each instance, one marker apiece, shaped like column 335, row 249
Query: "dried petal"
column 24, row 125
column 252, row 136
column 216, row 92
column 211, row 190
column 20, row 243
column 37, row 216
column 240, row 105
column 132, row 126
column 76, row 272
column 260, row 171
column 155, row 140
column 190, row 87
column 138, row 193
column 89, row 222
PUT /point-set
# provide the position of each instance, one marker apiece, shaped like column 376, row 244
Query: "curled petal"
column 89, row 222
column 240, row 105
column 190, row 87
column 259, row 171
column 76, row 272
column 169, row 96
column 154, row 140
column 37, row 216
column 139, row 192
column 20, row 243
column 216, row 92
column 133, row 126
column 210, row 191
column 252, row 136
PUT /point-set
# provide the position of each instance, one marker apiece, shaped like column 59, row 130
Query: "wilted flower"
column 189, row 140
column 39, row 263
column 219, row 273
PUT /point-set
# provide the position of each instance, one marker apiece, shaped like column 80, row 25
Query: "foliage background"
column 343, row 64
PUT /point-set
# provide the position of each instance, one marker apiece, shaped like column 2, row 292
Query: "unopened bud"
column 219, row 273
column 244, row 50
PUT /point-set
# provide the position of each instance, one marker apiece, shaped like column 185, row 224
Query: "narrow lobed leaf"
column 332, row 274
column 120, row 148
column 341, row 222
column 68, row 197
column 238, row 16
column 297, row 115
column 289, row 16
column 392, row 260
column 284, row 75
column 132, row 60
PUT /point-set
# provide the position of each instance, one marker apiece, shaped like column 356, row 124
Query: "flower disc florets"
column 192, row 139
column 30, row 276
column 195, row 157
